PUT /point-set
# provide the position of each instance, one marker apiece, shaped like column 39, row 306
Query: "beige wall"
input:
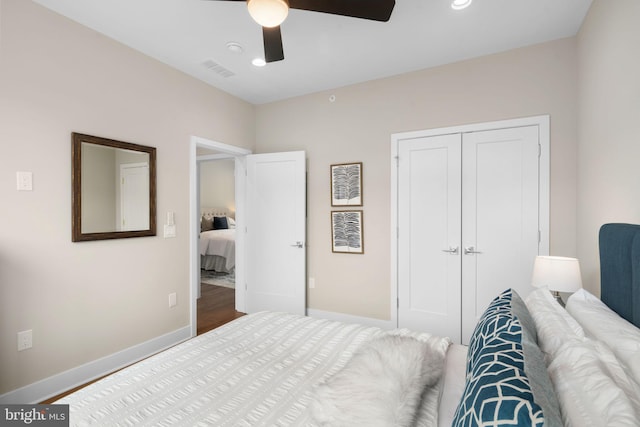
column 91, row 299
column 357, row 127
column 217, row 184
column 609, row 105
column 57, row 77
column 98, row 191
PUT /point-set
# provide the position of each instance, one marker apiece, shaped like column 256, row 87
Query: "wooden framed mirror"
column 113, row 189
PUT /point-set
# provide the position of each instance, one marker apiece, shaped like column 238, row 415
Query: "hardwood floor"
column 216, row 307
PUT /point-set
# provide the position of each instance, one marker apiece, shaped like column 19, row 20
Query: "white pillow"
column 592, row 387
column 455, row 375
column 554, row 325
column 427, row 414
column 382, row 384
column 602, row 323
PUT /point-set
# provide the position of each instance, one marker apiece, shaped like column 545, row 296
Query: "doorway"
column 211, row 150
column 270, row 188
column 216, row 305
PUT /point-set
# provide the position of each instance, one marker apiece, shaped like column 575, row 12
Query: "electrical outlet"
column 25, row 340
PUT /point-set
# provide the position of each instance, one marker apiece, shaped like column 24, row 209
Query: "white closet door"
column 499, row 217
column 429, row 235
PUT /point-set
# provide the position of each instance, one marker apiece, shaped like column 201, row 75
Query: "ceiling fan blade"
column 376, row 10
column 272, row 44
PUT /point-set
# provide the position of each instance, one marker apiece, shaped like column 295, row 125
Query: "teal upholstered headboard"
column 620, row 269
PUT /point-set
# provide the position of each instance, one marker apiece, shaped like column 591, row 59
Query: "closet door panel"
column 499, row 217
column 429, row 238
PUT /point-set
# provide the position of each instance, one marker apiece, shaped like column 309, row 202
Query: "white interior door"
column 429, row 235
column 500, row 223
column 276, row 232
column 134, row 196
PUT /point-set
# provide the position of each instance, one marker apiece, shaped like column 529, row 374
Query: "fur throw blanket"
column 391, row 381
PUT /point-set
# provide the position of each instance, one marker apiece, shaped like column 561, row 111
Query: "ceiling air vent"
column 212, row 65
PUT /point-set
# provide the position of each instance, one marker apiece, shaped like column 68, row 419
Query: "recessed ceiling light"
column 460, row 4
column 259, row 62
column 235, row 47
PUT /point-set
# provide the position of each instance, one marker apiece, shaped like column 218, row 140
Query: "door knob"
column 470, row 250
column 451, row 250
column 297, row 245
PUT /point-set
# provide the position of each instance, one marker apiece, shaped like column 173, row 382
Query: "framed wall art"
column 346, row 232
column 346, row 184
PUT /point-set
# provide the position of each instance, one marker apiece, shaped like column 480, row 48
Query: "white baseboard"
column 348, row 318
column 56, row 384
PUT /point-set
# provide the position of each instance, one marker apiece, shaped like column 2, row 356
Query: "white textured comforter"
column 220, row 243
column 259, row 370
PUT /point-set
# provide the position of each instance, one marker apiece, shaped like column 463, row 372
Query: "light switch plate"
column 169, row 231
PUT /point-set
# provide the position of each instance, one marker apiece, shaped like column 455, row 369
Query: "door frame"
column 226, row 151
column 543, row 197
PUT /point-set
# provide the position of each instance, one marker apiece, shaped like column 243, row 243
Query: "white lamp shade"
column 268, row 13
column 556, row 273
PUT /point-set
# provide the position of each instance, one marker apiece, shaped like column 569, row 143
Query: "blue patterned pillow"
column 507, row 382
column 495, row 318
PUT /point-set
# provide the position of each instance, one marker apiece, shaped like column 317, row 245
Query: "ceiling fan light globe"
column 268, row 13
column 460, row 4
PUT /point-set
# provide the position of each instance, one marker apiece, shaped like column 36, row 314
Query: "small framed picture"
column 346, row 184
column 346, row 232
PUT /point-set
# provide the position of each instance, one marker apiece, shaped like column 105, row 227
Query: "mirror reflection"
column 113, row 189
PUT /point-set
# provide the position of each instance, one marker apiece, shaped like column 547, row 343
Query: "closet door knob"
column 451, row 250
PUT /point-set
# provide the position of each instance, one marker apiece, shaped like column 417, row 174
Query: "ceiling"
column 321, row 51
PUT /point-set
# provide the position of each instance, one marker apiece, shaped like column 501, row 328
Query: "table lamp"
column 558, row 274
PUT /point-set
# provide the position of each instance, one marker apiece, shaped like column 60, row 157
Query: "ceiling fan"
column 271, row 13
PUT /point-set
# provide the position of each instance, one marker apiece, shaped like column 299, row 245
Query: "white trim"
column 348, row 318
column 194, row 253
column 194, row 223
column 541, row 121
column 474, row 127
column 59, row 383
column 544, row 135
column 393, row 280
column 209, row 157
column 241, row 214
column 219, row 146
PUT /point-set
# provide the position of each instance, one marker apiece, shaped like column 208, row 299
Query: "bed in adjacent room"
column 529, row 362
column 217, row 240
